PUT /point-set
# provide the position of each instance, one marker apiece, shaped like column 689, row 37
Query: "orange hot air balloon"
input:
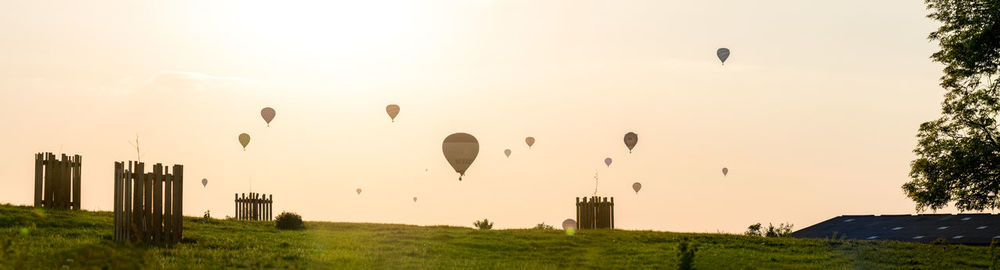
column 636, row 187
column 530, row 141
column 359, row 191
column 460, row 149
column 392, row 110
column 630, row 140
column 268, row 114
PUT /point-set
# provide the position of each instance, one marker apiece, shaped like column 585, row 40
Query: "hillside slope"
column 49, row 239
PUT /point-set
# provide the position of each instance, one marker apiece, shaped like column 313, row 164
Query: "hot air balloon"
column 507, row 152
column 725, row 171
column 268, row 115
column 414, row 199
column 630, row 140
column 570, row 226
column 723, row 54
column 244, row 140
column 358, row 191
column 204, row 182
column 460, row 149
column 392, row 110
column 636, row 187
column 607, row 161
column 530, row 141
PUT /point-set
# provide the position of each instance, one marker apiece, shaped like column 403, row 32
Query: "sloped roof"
column 976, row 229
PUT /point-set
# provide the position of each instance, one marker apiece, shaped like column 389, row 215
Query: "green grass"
column 51, row 239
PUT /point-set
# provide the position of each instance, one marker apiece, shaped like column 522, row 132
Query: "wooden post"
column 38, row 179
column 168, row 208
column 137, row 218
column 127, row 207
column 612, row 209
column 179, row 199
column 158, row 201
column 78, row 169
column 270, row 207
column 63, row 198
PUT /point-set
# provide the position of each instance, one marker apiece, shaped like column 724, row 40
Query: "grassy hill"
column 52, row 239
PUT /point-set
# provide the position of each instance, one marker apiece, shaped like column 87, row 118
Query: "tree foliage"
column 958, row 154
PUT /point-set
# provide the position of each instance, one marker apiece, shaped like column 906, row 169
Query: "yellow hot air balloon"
column 244, row 140
column 460, row 149
column 392, row 110
column 530, row 141
column 630, row 140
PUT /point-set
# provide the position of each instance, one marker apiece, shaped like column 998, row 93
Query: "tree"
column 958, row 155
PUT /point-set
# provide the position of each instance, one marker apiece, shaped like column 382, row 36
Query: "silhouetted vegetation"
column 782, row 230
column 484, row 224
column 958, row 155
column 289, row 221
column 685, row 254
column 543, row 226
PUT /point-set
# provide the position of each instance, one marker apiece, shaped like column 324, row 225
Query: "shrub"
column 754, row 230
column 686, row 254
column 543, row 226
column 289, row 221
column 782, row 230
column 484, row 224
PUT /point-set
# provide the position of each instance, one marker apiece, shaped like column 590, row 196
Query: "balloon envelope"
column 570, row 226
column 358, row 191
column 636, row 187
column 530, row 141
column 392, row 110
column 723, row 54
column 630, row 140
column 244, row 140
column 268, row 114
column 725, row 171
column 607, row 161
column 414, row 199
column 506, row 152
column 204, row 182
column 460, row 149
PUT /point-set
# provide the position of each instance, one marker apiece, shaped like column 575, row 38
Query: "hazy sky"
column 814, row 113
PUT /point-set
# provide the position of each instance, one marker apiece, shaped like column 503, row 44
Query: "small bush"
column 543, row 226
column 289, row 221
column 686, row 254
column 484, row 224
column 754, row 230
column 782, row 230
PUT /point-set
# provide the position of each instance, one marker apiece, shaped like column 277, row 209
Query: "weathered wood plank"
column 77, row 170
column 157, row 202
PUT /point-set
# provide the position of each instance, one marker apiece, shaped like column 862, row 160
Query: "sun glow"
column 322, row 28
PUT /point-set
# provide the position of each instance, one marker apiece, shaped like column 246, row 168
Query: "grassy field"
column 54, row 239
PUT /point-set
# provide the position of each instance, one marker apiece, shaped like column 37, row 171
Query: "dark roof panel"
column 977, row 229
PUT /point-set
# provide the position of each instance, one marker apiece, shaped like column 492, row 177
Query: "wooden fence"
column 148, row 206
column 595, row 213
column 57, row 181
column 254, row 207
